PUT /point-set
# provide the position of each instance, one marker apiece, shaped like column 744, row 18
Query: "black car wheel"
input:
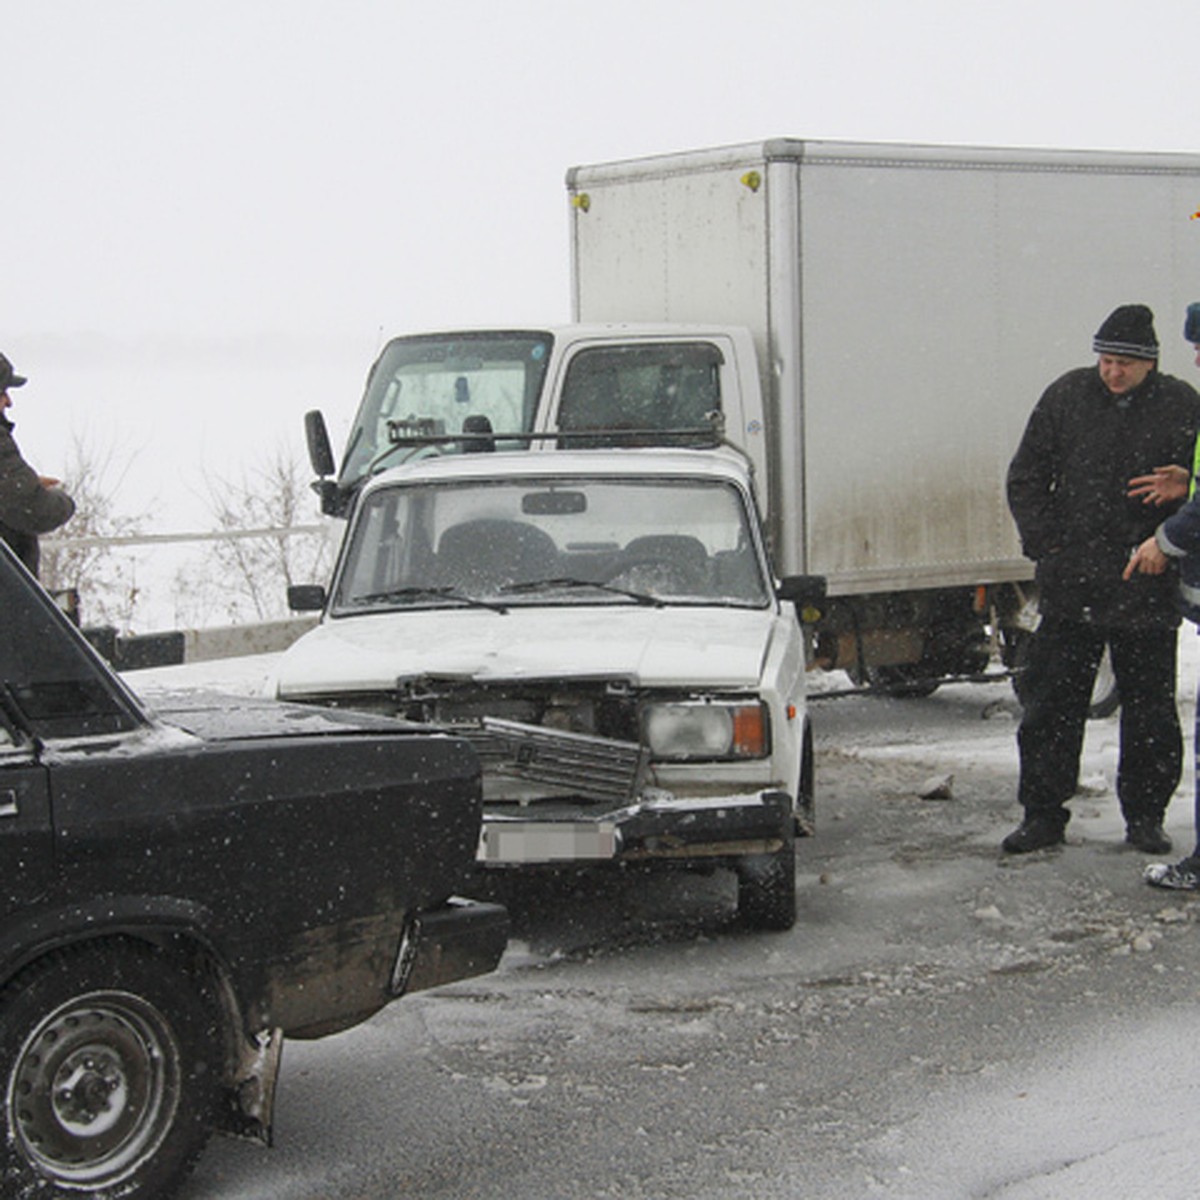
column 110, row 1073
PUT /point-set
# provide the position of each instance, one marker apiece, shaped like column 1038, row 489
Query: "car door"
column 26, row 839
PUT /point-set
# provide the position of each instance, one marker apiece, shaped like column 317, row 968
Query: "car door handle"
column 8, row 804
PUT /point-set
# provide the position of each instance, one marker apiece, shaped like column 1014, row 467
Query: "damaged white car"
column 605, row 627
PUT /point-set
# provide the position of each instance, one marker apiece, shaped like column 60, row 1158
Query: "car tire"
column 767, row 886
column 110, row 1066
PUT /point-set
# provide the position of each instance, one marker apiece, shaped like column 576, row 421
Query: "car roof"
column 721, row 463
column 581, row 331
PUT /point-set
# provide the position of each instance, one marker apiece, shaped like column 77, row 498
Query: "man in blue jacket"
column 1178, row 539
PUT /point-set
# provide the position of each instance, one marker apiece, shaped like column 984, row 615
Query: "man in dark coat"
column 30, row 503
column 1093, row 430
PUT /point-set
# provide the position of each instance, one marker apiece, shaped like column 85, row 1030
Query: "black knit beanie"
column 1128, row 332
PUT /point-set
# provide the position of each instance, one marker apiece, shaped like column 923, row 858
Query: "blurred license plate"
column 546, row 841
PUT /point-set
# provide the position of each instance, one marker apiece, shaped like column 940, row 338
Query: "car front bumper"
column 659, row 827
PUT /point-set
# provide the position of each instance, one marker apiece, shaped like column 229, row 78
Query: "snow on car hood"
column 647, row 646
column 216, row 717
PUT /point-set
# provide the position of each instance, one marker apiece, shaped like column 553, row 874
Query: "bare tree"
column 246, row 577
column 79, row 558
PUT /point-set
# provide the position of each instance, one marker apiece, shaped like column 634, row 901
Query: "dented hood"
column 649, row 647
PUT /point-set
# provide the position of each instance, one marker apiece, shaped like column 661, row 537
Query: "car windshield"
column 552, row 541
column 445, row 384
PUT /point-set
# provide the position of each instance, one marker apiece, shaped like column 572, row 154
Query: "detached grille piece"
column 577, row 764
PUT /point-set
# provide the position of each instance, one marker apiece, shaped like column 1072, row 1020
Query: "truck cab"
column 471, row 391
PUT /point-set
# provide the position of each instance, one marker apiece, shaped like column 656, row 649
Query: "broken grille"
column 577, row 764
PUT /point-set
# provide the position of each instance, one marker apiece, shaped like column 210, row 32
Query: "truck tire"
column 767, row 887
column 110, row 1069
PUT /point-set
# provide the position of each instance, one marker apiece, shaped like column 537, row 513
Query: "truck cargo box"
column 908, row 305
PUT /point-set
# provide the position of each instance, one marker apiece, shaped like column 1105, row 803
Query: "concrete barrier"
column 233, row 641
column 169, row 648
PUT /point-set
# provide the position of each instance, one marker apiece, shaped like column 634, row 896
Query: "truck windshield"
column 570, row 540
column 443, row 384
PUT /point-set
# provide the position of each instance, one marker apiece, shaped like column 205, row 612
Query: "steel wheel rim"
column 95, row 1088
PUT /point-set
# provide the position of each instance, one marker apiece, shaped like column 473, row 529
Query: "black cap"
column 1128, row 332
column 8, row 377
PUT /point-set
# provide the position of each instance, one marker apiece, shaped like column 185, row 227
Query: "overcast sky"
column 214, row 210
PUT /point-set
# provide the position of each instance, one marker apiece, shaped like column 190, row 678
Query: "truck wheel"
column 767, row 887
column 110, row 1071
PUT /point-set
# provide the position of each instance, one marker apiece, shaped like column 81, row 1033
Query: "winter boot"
column 1148, row 835
column 1036, row 832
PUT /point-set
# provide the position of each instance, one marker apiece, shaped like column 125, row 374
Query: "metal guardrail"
column 157, row 539
column 174, row 646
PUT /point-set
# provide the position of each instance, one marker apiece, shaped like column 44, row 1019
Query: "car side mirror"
column 306, row 597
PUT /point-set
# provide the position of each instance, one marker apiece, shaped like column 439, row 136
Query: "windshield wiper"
column 429, row 593
column 566, row 582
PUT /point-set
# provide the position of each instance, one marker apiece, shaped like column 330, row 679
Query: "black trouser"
column 1057, row 691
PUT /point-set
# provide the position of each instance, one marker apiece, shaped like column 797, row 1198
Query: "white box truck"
column 871, row 324
column 908, row 304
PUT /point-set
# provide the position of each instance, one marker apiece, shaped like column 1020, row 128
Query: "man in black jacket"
column 29, row 503
column 1093, row 430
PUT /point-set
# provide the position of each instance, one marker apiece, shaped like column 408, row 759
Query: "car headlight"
column 704, row 730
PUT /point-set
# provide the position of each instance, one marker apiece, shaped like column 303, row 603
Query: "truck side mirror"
column 320, row 452
column 806, row 592
column 306, row 597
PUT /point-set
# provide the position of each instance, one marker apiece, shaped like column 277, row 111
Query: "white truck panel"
column 908, row 304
